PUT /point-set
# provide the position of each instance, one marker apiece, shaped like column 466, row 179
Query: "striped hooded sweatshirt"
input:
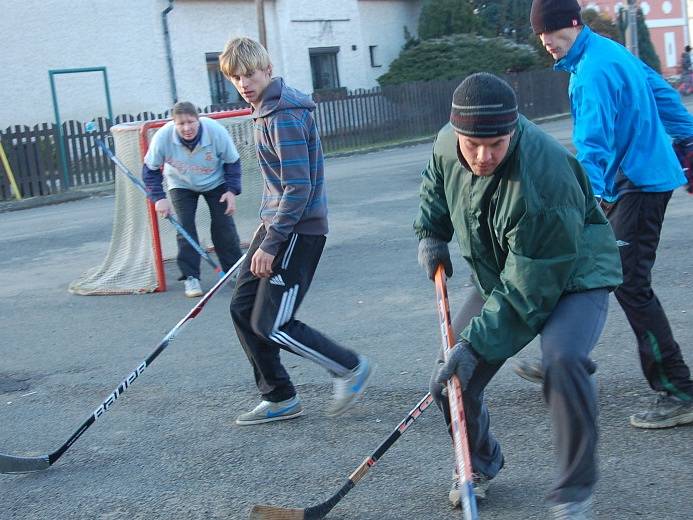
column 290, row 157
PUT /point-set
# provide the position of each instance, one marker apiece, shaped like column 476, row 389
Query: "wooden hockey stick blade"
column 276, row 513
column 321, row 510
column 11, row 464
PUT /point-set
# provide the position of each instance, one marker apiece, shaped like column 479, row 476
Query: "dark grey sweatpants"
column 567, row 339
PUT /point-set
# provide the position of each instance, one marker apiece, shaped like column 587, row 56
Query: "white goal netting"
column 131, row 265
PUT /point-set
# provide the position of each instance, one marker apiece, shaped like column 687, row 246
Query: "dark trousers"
column 567, row 339
column 263, row 311
column 637, row 220
column 222, row 228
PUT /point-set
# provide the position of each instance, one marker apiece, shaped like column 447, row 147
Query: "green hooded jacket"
column 531, row 232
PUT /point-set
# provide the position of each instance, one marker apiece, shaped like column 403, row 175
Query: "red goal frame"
column 153, row 219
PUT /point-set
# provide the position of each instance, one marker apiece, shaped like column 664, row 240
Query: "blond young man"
column 286, row 249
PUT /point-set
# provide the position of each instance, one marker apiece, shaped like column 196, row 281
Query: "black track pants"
column 637, row 220
column 263, row 311
column 222, row 227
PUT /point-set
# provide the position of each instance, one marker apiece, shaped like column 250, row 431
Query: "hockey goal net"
column 141, row 241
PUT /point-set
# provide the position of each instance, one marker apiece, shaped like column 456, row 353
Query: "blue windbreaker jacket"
column 625, row 116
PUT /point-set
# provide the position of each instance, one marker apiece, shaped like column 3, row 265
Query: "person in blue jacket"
column 625, row 117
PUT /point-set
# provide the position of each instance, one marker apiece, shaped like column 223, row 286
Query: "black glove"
column 462, row 361
column 434, row 251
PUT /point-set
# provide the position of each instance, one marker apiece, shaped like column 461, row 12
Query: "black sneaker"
column 666, row 411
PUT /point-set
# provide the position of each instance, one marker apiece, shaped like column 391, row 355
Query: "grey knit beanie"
column 484, row 105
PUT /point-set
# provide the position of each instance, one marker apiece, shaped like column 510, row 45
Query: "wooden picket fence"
column 347, row 120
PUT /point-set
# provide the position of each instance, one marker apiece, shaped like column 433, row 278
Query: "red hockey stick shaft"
column 457, row 418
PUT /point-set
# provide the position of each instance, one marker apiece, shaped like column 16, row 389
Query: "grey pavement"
column 169, row 449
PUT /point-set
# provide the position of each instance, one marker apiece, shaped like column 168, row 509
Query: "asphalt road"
column 168, row 449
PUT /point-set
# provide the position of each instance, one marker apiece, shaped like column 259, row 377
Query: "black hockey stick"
column 261, row 512
column 12, row 464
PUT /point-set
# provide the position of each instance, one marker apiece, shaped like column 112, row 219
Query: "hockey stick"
column 90, row 127
column 12, row 464
column 459, row 427
column 261, row 512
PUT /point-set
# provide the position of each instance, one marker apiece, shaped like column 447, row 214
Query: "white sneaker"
column 192, row 287
column 348, row 389
column 268, row 412
column 480, row 485
column 573, row 510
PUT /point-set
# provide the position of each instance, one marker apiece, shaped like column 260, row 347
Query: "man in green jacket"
column 543, row 259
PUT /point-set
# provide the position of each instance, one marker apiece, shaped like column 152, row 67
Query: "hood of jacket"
column 279, row 96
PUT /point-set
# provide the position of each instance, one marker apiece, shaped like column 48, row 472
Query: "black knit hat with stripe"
column 484, row 105
column 552, row 15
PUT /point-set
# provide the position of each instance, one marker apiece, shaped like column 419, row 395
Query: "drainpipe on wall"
column 261, row 28
column 169, row 52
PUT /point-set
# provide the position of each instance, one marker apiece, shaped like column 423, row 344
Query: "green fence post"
column 61, row 140
column 58, row 122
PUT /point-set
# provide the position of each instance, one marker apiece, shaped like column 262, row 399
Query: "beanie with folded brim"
column 553, row 15
column 484, row 105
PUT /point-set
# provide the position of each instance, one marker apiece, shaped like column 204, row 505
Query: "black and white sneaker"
column 666, row 411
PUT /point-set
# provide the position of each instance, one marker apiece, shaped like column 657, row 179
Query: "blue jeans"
column 568, row 337
column 223, row 229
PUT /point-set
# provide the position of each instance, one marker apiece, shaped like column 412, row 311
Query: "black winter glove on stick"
column 434, row 251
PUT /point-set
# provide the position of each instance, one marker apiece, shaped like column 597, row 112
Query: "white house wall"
column 127, row 37
column 382, row 24
column 305, row 24
column 124, row 36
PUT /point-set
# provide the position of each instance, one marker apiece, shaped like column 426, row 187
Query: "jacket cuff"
column 271, row 243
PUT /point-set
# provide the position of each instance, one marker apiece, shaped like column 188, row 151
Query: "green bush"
column 602, row 24
column 509, row 18
column 445, row 17
column 457, row 56
column 646, row 49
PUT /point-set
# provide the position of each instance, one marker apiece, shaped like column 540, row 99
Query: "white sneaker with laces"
column 480, row 485
column 192, row 287
column 348, row 389
column 269, row 412
column 573, row 510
